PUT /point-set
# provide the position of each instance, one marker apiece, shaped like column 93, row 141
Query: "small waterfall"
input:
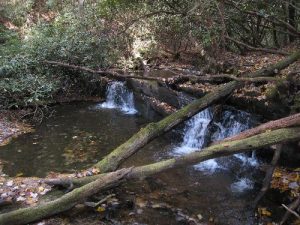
column 197, row 135
column 119, row 97
column 234, row 122
column 195, row 132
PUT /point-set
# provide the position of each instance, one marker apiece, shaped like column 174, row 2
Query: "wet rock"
column 153, row 89
column 200, row 217
column 155, row 184
column 139, row 202
column 161, row 206
column 139, row 211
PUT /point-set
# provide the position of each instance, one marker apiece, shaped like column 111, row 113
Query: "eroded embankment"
column 11, row 126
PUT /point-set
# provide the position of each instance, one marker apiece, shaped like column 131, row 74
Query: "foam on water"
column 243, row 184
column 196, row 136
column 119, row 97
column 194, row 132
column 233, row 124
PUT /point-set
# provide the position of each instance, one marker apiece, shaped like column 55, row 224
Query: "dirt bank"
column 11, row 126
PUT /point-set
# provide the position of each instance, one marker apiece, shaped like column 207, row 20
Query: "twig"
column 290, row 209
column 95, row 204
column 269, row 174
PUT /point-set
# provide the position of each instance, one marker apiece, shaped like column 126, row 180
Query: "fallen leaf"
column 264, row 212
column 100, row 209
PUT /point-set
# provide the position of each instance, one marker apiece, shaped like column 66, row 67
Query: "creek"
column 79, row 134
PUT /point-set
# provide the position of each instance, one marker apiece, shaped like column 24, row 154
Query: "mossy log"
column 275, row 68
column 105, row 73
column 104, row 181
column 66, row 202
column 153, row 130
column 290, row 121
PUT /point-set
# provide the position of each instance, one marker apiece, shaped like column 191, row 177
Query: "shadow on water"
column 80, row 134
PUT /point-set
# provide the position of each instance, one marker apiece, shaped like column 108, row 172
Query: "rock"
column 139, row 211
column 9, row 183
column 200, row 217
column 131, row 214
column 140, row 202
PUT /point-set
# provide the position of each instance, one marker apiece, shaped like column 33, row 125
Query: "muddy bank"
column 11, row 126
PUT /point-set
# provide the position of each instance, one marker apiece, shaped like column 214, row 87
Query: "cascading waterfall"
column 195, row 132
column 197, row 135
column 119, row 97
column 232, row 124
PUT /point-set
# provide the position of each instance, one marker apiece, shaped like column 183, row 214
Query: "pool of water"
column 77, row 136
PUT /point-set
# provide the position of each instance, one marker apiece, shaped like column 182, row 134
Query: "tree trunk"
column 275, row 68
column 289, row 121
column 64, row 203
column 291, row 18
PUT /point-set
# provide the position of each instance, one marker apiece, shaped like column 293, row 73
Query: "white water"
column 233, row 124
column 196, row 135
column 241, row 185
column 119, row 97
column 194, row 132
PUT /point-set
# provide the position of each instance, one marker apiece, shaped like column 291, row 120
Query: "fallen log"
column 104, row 181
column 251, row 48
column 170, row 81
column 290, row 121
column 67, row 201
column 275, row 68
column 106, row 73
column 290, row 210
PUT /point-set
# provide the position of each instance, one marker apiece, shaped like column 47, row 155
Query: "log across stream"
column 78, row 134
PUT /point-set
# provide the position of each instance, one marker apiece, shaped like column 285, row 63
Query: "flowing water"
column 119, row 97
column 80, row 134
column 202, row 129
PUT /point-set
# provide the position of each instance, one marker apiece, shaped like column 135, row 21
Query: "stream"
column 79, row 134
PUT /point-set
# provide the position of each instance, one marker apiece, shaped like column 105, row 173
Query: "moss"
column 272, row 93
column 295, row 108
